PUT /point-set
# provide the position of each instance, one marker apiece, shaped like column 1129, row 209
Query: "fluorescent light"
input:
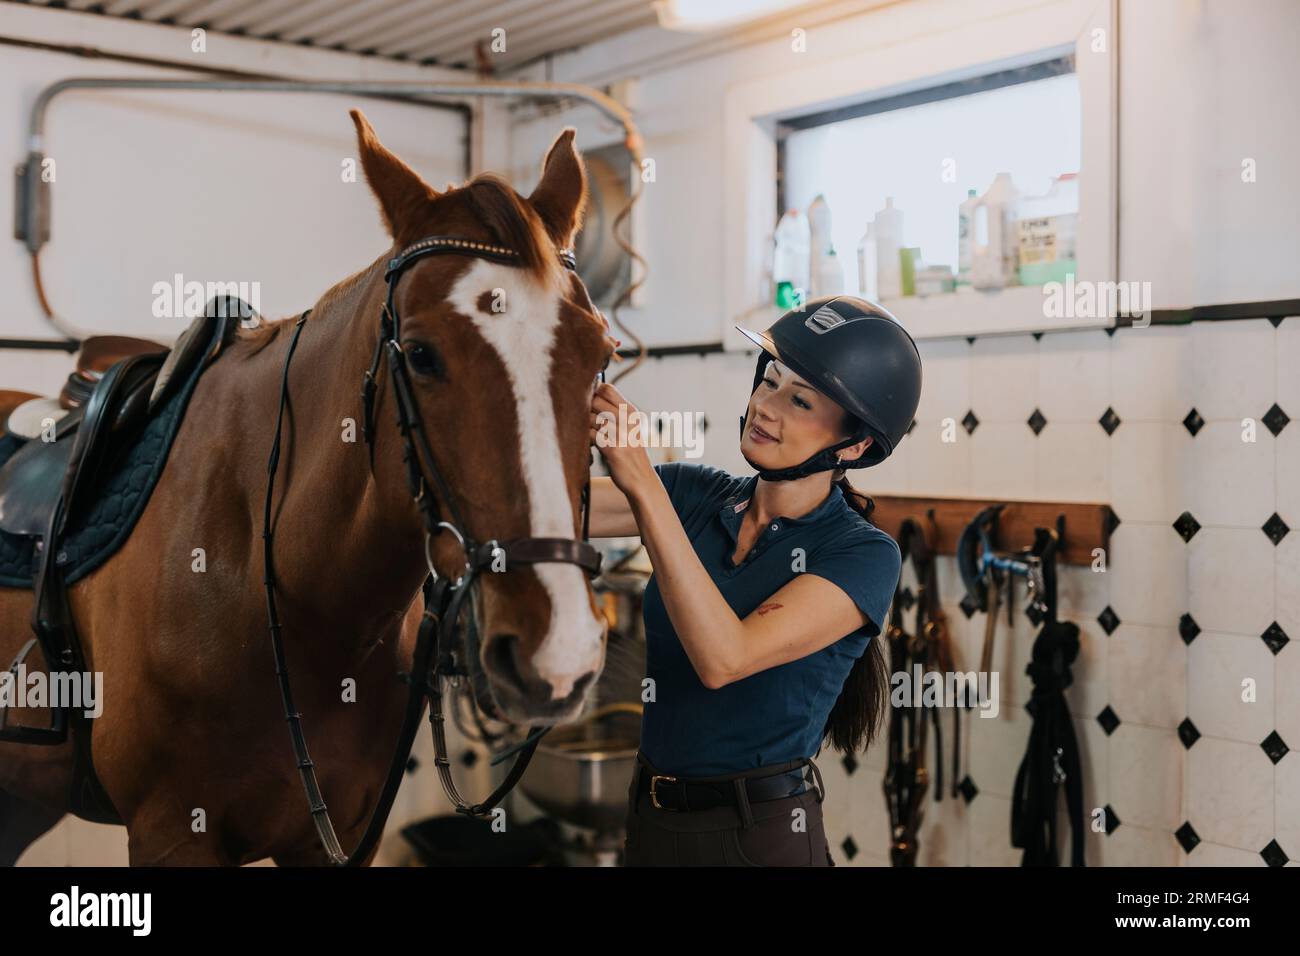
column 702, row 15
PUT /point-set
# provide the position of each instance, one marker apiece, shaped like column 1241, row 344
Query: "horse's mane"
column 487, row 200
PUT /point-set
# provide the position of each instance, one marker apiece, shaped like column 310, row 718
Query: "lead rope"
column 415, row 699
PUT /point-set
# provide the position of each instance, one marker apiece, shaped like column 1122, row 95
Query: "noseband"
column 438, row 653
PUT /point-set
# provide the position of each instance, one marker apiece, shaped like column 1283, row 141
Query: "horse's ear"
column 400, row 190
column 561, row 196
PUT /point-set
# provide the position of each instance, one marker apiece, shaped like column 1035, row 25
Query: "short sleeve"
column 866, row 567
column 687, row 482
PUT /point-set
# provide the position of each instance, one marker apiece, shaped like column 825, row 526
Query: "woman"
column 766, row 593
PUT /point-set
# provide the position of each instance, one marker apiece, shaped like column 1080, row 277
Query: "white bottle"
column 830, row 275
column 819, row 236
column 867, row 286
column 790, row 259
column 965, row 212
column 996, row 239
column 888, row 230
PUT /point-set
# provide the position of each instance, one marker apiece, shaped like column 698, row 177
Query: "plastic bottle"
column 964, row 214
column 1047, row 232
column 867, row 285
column 830, row 275
column 995, row 238
column 819, row 235
column 888, row 230
column 790, row 259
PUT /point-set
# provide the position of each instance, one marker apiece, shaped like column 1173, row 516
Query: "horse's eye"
column 422, row 359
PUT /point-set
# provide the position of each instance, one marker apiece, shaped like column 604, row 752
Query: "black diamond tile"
column 1187, row 837
column 970, row 422
column 968, row 607
column 1187, row 526
column 1275, row 638
column 1188, row 628
column 1110, row 421
column 1035, row 614
column 1274, row 746
column 1193, row 422
column 1037, row 422
column 970, row 339
column 1275, row 528
column 1032, row 707
column 907, row 599
column 850, row 764
column 1275, row 419
column 1112, row 520
column 412, row 765
column 967, row 789
column 1112, row 820
column 1038, row 336
column 1188, row 733
column 849, row 847
column 704, row 423
column 1108, row 719
column 1276, row 320
column 468, row 758
column 1108, row 620
column 1274, row 855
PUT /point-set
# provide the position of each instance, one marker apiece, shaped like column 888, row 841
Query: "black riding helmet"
column 856, row 353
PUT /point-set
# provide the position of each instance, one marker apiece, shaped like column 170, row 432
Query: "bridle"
column 438, row 654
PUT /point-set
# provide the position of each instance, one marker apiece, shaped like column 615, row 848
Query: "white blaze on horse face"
column 524, row 335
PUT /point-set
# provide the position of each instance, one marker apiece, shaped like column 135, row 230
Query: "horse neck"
column 347, row 546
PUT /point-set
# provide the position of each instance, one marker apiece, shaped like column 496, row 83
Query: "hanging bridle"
column 438, row 655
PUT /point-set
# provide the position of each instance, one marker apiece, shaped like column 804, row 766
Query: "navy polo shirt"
column 778, row 714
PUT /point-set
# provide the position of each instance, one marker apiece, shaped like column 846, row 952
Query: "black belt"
column 680, row 794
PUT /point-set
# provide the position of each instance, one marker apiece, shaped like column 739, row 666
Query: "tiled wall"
column 1201, row 599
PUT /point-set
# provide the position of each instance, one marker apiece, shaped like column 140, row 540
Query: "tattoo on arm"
column 764, row 608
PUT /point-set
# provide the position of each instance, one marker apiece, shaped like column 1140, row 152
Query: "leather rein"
column 437, row 654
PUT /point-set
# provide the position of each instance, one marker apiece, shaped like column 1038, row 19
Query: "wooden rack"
column 1087, row 525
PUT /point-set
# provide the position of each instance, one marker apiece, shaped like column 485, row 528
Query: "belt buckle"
column 654, row 797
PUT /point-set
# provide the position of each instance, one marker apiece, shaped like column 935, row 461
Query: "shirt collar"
column 734, row 508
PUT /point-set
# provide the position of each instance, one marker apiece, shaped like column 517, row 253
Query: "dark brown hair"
column 859, row 711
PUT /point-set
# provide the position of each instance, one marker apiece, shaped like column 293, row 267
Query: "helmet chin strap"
column 824, row 460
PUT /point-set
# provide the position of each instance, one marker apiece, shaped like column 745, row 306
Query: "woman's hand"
column 622, row 437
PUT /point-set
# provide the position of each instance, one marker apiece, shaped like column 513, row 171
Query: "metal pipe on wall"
column 32, row 202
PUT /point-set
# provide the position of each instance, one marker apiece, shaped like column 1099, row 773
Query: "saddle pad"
column 93, row 536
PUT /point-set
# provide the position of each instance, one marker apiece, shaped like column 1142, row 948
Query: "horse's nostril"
column 502, row 654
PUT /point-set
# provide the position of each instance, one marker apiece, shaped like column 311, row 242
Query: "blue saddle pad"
column 93, row 536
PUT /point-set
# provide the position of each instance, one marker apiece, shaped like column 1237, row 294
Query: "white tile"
column 1148, row 573
column 1235, row 368
column 990, row 831
column 1073, row 462
column 1148, row 675
column 996, row 747
column 1004, row 378
column 945, row 379
column 1081, row 592
column 1286, row 797
column 1229, row 793
column 1074, row 376
column 1286, row 681
column 1132, row 845
column 1003, row 461
column 1233, row 479
column 1215, row 854
column 1287, row 458
column 1230, row 579
column 1287, row 556
column 1146, row 775
column 1230, row 689
column 935, row 464
column 1150, row 477
column 1151, row 373
column 1288, row 361
column 868, row 816
column 1090, row 691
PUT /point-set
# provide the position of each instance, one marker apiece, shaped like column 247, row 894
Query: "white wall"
column 243, row 187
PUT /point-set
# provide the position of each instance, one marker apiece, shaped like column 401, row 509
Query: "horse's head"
column 503, row 360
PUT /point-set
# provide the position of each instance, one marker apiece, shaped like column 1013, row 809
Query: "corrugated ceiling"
column 442, row 32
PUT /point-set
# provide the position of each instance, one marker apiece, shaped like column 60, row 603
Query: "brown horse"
column 192, row 718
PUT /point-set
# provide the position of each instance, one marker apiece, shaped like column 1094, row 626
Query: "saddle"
column 53, row 480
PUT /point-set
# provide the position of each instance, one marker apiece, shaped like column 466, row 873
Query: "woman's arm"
column 800, row 618
column 611, row 513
